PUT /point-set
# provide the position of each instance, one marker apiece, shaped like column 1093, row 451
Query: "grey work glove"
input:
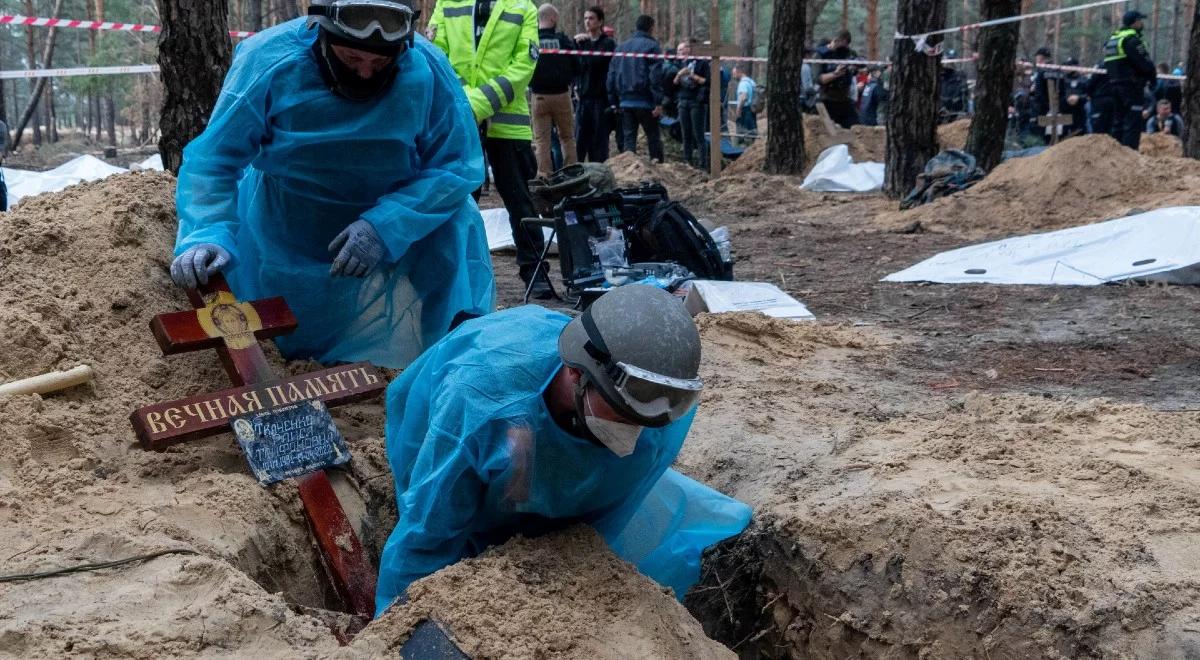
column 197, row 263
column 359, row 250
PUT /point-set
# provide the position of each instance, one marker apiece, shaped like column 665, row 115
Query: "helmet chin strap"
column 342, row 80
column 581, row 427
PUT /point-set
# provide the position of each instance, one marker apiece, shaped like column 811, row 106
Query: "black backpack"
column 670, row 233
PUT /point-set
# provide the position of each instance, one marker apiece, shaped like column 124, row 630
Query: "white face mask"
column 619, row 437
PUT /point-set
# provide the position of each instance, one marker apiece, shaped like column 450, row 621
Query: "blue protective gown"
column 284, row 165
column 477, row 458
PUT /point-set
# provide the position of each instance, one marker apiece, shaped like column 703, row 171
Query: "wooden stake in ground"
column 1191, row 90
column 1054, row 120
column 714, row 91
column 194, row 51
column 913, row 111
column 993, row 91
column 785, row 138
column 233, row 328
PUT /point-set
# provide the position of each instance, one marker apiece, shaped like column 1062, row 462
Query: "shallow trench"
column 761, row 595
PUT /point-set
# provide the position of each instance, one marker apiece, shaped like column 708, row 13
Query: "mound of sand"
column 560, row 596
column 1079, row 181
column 1160, row 145
column 81, row 274
column 954, row 134
column 865, row 143
column 631, row 169
column 894, row 524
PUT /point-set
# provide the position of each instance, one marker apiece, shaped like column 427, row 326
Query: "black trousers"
column 513, row 165
column 592, row 127
column 842, row 112
column 1117, row 111
column 631, row 118
column 692, row 118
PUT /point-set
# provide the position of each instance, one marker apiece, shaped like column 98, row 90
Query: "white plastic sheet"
column 1161, row 245
column 499, row 234
column 836, row 171
column 720, row 296
column 152, row 163
column 23, row 183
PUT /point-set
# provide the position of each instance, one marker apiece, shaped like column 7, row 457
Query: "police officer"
column 493, row 47
column 1117, row 103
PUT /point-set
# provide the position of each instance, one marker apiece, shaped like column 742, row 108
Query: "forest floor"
column 936, row 471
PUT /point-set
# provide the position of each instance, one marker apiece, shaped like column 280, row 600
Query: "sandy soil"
column 937, row 471
column 562, row 596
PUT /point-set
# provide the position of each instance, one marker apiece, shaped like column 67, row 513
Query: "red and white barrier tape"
column 79, row 71
column 663, row 56
column 38, row 21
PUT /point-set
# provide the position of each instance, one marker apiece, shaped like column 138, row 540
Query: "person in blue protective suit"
column 337, row 171
column 526, row 421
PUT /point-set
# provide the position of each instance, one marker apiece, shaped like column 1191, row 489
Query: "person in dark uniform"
column 836, row 81
column 593, row 122
column 1118, row 99
column 1074, row 98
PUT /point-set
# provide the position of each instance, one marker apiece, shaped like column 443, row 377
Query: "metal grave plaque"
column 290, row 441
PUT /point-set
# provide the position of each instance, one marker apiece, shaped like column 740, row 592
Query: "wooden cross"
column 1054, row 119
column 232, row 327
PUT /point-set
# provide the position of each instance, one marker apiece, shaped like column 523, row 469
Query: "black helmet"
column 640, row 348
column 1132, row 16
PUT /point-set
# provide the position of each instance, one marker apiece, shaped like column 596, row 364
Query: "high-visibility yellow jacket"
column 495, row 74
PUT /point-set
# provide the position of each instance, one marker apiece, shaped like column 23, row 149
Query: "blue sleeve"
column 614, row 97
column 451, row 159
column 442, row 498
column 206, row 195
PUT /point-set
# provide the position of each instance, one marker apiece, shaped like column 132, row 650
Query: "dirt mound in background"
column 954, row 134
column 564, row 595
column 631, row 169
column 865, row 143
column 1079, row 181
column 894, row 523
column 1160, row 145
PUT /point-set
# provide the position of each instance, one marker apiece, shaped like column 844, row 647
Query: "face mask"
column 619, row 437
column 343, row 80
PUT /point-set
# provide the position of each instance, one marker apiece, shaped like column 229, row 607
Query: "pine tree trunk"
column 872, row 29
column 51, row 113
column 997, row 68
column 110, row 117
column 1191, row 91
column 194, row 53
column 785, row 139
column 38, row 85
column 745, row 32
column 34, row 86
column 254, row 19
column 812, row 10
column 913, row 109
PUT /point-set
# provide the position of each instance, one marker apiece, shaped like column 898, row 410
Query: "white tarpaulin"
column 719, row 296
column 836, row 171
column 1162, row 245
column 23, row 183
column 499, row 234
column 152, row 163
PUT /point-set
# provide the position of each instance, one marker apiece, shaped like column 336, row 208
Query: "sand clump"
column 1160, row 145
column 954, row 134
column 1079, row 181
column 564, row 595
column 940, row 525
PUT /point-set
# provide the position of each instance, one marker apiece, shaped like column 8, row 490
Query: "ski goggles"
column 646, row 394
column 654, row 396
column 361, row 18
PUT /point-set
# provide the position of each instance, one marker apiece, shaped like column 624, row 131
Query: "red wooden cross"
column 233, row 328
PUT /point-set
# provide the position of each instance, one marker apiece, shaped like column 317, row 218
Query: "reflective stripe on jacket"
column 495, row 74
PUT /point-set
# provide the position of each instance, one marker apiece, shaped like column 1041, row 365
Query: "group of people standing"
column 1131, row 97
